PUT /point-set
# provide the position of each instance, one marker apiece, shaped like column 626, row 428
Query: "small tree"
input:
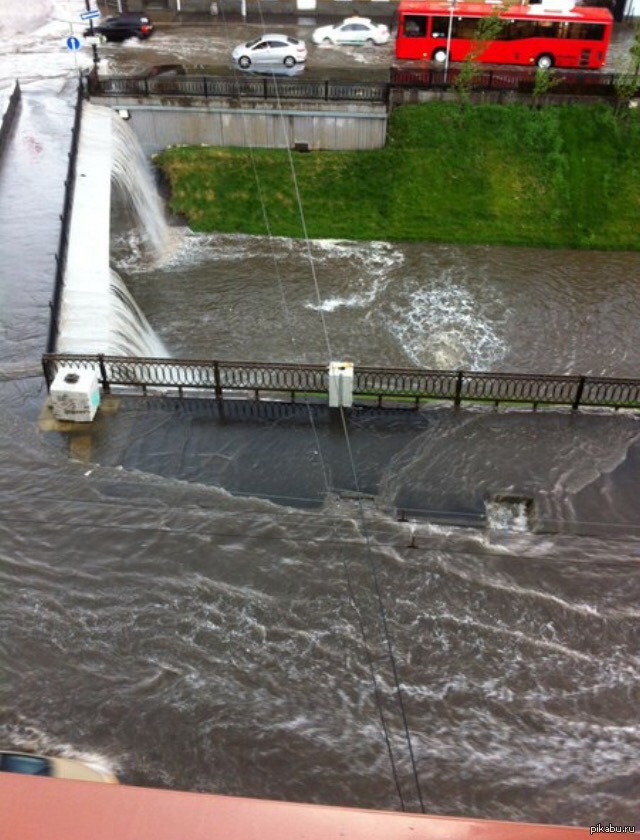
column 628, row 83
column 487, row 30
column 543, row 83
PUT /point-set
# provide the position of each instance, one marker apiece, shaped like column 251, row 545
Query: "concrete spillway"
column 98, row 315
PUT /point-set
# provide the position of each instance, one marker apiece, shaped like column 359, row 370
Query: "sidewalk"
column 284, row 11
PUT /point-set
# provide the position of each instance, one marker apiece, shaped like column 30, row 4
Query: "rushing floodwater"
column 192, row 638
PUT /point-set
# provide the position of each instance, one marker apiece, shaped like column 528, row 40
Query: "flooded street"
column 199, row 608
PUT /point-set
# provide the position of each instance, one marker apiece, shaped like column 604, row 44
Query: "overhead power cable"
column 323, row 466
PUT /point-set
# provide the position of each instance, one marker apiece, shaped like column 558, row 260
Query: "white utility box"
column 75, row 395
column 341, row 384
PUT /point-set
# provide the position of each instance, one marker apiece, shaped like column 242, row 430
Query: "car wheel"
column 440, row 56
column 327, row 42
column 289, row 61
column 544, row 62
column 244, row 62
column 369, row 42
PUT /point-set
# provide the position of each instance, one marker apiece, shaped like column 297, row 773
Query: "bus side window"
column 439, row 27
column 506, row 31
column 586, row 31
column 415, row 26
column 523, row 29
column 549, row 29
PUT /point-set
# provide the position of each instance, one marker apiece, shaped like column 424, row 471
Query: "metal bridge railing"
column 7, row 119
column 408, row 388
column 65, row 222
column 267, row 88
column 517, row 79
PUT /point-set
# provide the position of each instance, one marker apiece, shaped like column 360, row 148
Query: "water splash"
column 130, row 332
column 508, row 512
column 443, row 324
column 99, row 314
column 132, row 175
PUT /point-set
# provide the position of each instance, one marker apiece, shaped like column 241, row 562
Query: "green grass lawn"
column 494, row 175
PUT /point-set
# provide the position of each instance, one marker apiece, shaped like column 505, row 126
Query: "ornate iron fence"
column 517, row 79
column 406, row 388
column 427, row 77
column 233, row 87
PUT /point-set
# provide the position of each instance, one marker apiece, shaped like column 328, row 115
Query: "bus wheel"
column 545, row 61
column 440, row 56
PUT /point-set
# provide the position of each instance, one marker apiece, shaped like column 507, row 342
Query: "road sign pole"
column 96, row 59
column 75, row 53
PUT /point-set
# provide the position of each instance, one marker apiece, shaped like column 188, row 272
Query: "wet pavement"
column 204, row 42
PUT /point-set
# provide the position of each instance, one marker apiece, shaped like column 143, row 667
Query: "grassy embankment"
column 510, row 175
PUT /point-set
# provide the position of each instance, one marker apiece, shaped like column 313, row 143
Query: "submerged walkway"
column 33, row 168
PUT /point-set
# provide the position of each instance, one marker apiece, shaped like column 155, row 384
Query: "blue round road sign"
column 73, row 43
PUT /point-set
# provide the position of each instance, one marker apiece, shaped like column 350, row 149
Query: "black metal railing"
column 399, row 387
column 233, row 87
column 516, row 79
column 65, row 222
column 428, row 77
column 9, row 114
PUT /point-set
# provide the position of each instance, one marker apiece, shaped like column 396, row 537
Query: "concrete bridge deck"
column 84, row 320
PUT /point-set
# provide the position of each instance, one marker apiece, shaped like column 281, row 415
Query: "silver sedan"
column 271, row 49
column 353, row 30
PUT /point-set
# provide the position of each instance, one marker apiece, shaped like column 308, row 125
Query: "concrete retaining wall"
column 321, row 126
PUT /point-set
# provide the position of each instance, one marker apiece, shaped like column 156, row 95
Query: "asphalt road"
column 205, row 47
column 203, row 44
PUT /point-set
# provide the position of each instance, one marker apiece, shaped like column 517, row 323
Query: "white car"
column 352, row 30
column 270, row 49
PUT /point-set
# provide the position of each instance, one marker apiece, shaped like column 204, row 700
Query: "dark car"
column 121, row 27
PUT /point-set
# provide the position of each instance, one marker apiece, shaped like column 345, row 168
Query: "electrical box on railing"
column 75, row 395
column 341, row 384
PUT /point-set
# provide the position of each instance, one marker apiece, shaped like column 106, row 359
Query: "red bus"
column 538, row 35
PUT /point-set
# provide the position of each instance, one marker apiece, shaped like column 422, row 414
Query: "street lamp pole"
column 452, row 6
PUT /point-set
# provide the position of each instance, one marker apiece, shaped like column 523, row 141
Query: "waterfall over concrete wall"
column 131, row 172
column 98, row 314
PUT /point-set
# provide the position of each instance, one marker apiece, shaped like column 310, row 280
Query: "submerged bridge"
column 368, row 386
column 85, row 288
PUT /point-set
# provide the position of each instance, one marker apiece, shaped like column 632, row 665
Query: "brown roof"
column 56, row 809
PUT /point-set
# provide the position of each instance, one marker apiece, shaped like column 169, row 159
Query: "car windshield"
column 31, row 765
column 250, row 44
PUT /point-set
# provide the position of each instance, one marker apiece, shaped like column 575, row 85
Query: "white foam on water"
column 508, row 516
column 444, row 325
column 366, row 276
